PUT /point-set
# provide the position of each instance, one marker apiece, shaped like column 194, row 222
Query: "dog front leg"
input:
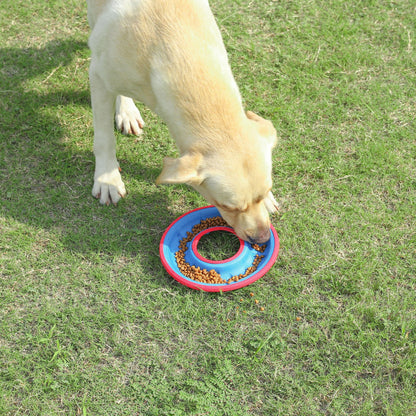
column 108, row 186
column 128, row 117
column 271, row 204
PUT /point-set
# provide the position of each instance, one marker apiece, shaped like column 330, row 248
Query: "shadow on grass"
column 45, row 178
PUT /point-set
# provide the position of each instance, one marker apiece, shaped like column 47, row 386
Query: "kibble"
column 259, row 248
column 210, row 276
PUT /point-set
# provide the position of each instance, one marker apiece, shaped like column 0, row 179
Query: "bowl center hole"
column 218, row 245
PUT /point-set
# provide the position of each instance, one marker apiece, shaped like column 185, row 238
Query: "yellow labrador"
column 169, row 54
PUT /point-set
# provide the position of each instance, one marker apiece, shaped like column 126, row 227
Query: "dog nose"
column 261, row 237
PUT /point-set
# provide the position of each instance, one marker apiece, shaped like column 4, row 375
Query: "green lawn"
column 91, row 324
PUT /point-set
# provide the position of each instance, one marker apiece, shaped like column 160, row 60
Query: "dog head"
column 234, row 176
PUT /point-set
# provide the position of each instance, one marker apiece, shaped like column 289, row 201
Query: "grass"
column 218, row 245
column 91, row 324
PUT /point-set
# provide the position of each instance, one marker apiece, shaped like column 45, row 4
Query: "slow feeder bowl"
column 233, row 266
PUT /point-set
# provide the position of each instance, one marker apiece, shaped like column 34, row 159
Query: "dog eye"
column 228, row 207
column 242, row 208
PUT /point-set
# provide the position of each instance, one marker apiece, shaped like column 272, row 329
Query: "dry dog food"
column 204, row 275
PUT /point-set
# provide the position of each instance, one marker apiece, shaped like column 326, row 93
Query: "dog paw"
column 128, row 118
column 271, row 204
column 108, row 187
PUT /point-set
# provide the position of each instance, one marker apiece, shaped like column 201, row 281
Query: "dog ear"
column 182, row 170
column 264, row 127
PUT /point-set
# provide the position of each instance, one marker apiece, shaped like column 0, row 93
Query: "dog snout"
column 260, row 237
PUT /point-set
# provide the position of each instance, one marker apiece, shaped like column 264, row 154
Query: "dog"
column 169, row 54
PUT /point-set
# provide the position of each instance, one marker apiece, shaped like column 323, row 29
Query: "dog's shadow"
column 46, row 179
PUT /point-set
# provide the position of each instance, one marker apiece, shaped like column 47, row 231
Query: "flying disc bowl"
column 233, row 266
